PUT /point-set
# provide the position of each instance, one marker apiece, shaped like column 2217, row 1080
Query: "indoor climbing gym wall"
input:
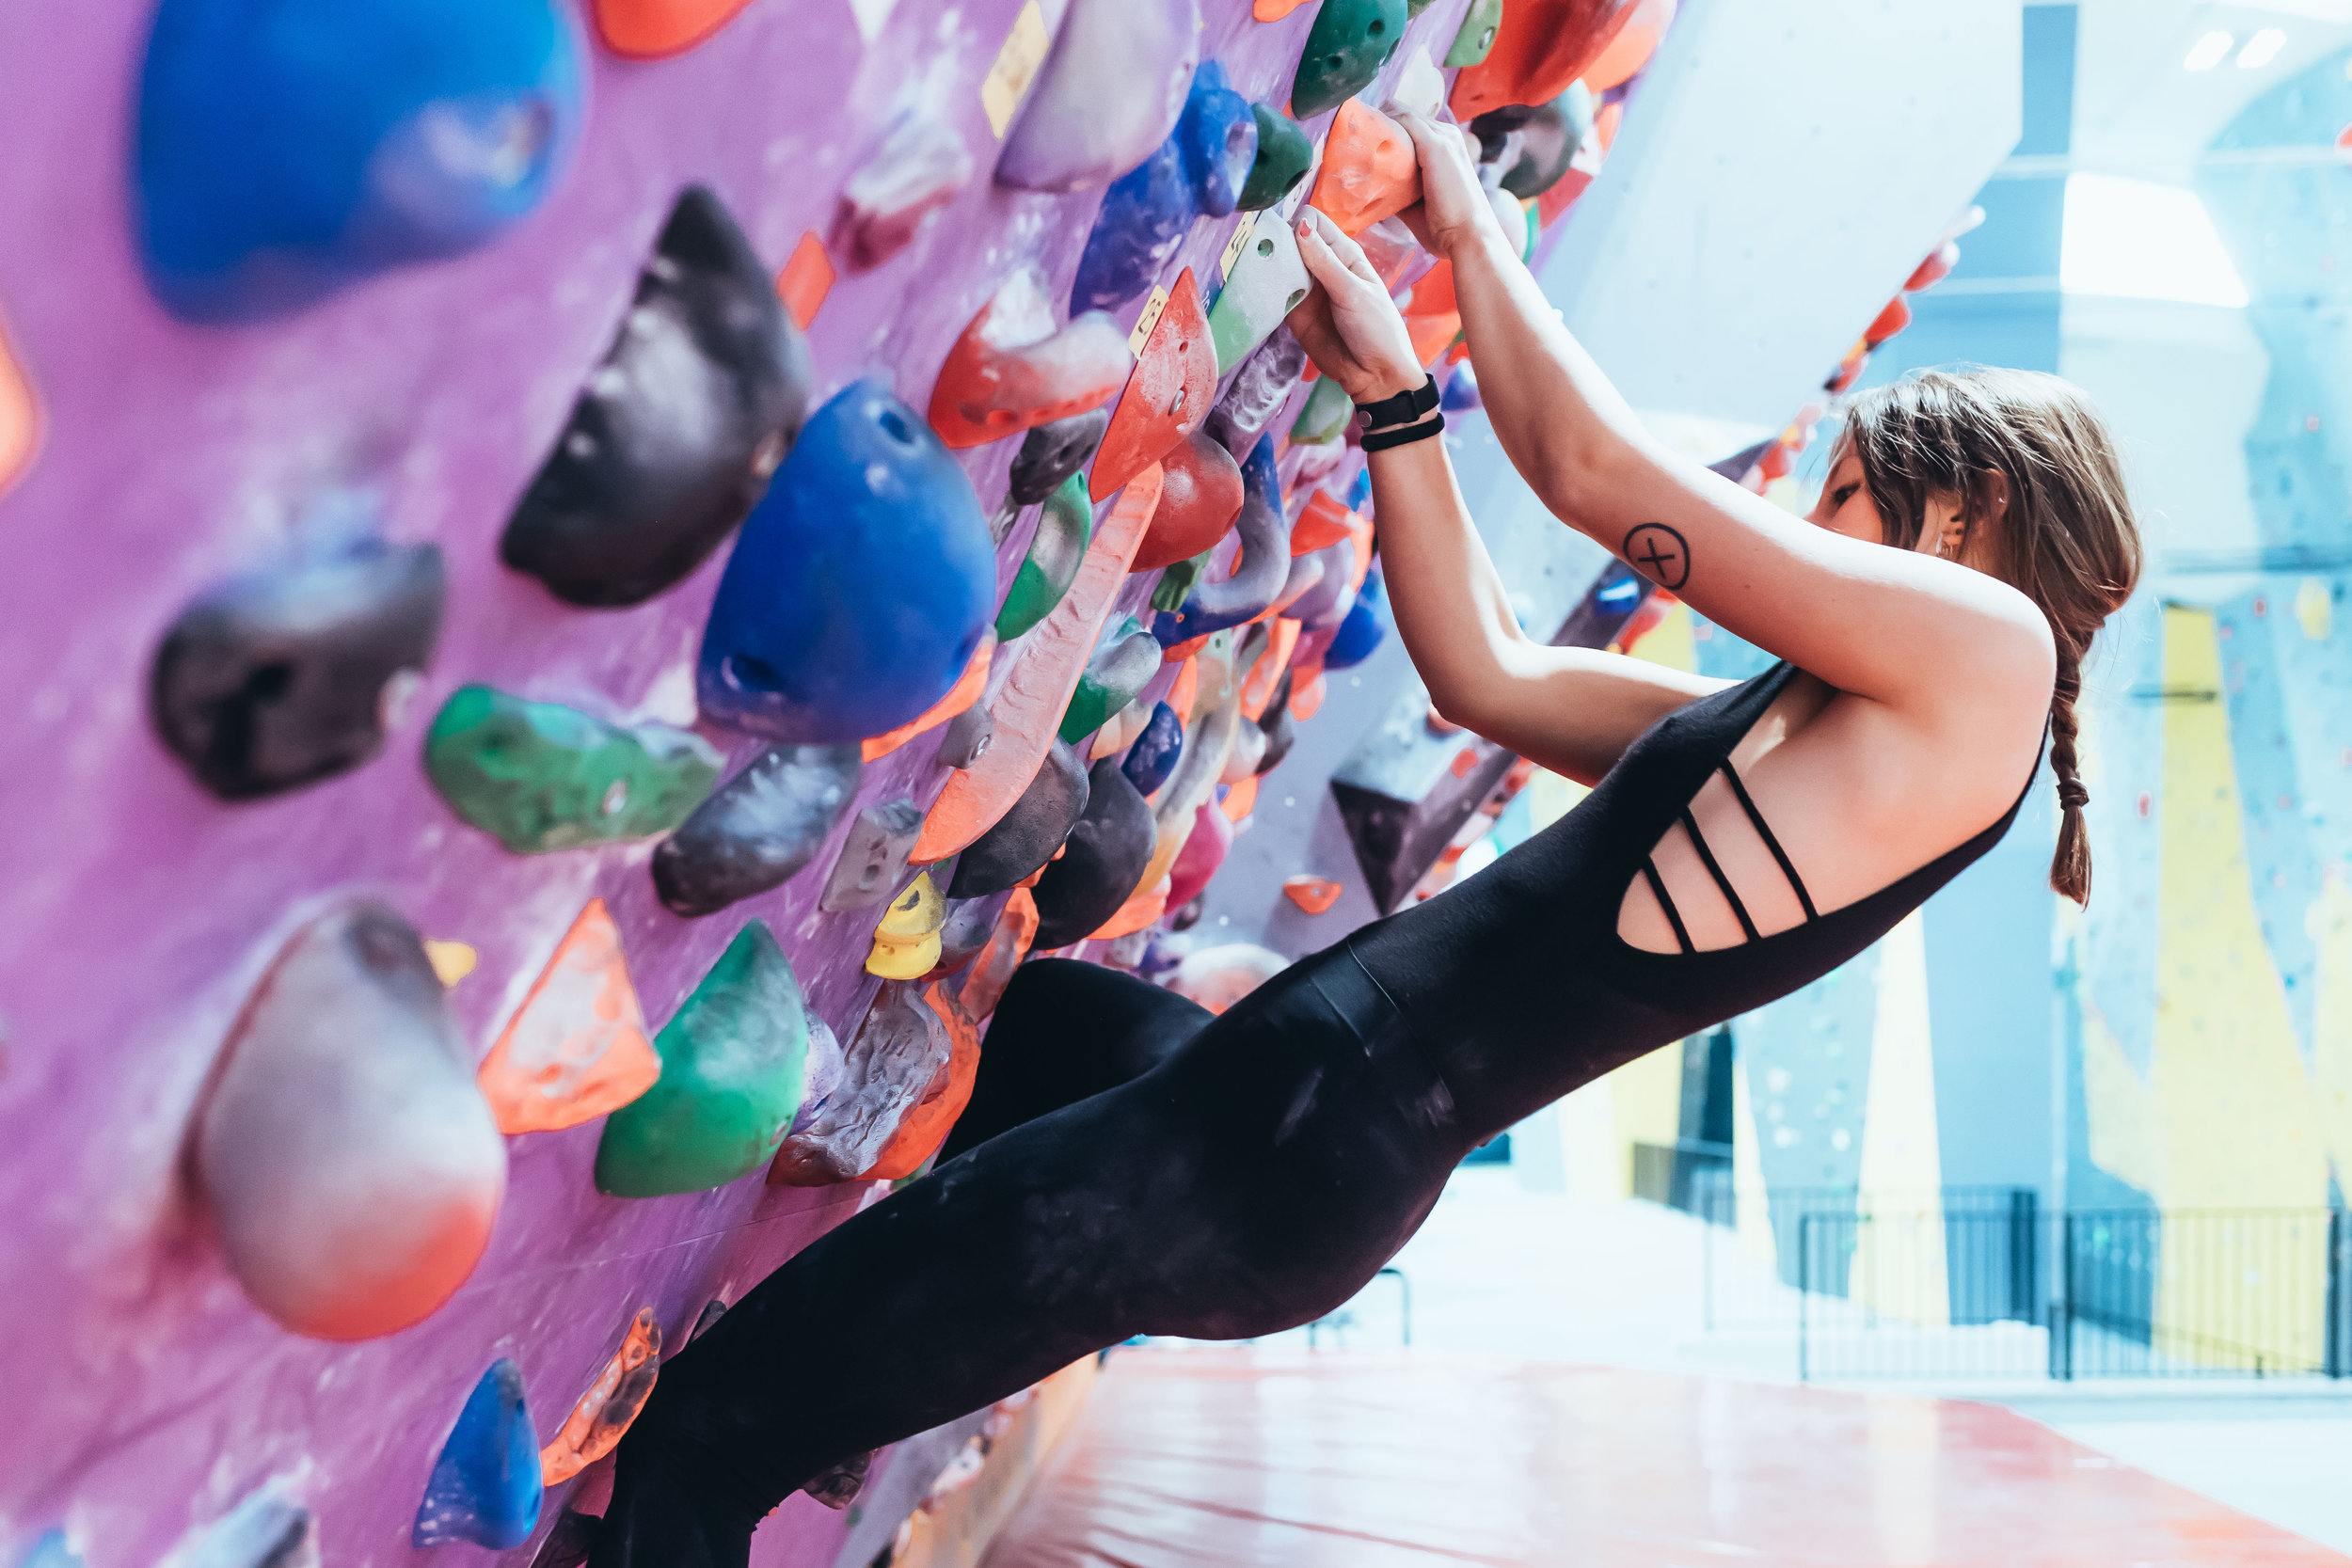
column 587, row 578
column 2208, row 987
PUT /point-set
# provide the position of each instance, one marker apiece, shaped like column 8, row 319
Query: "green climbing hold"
column 1325, row 414
column 1284, row 155
column 1349, row 43
column 1052, row 563
column 1477, row 37
column 540, row 776
column 1123, row 664
column 1175, row 584
column 733, row 1065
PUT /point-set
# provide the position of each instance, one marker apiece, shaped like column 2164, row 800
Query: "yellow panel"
column 1670, row 642
column 1016, row 66
column 2237, row 1122
column 1899, row 1267
column 2126, row 1132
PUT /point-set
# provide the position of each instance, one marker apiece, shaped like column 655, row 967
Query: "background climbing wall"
column 395, row 378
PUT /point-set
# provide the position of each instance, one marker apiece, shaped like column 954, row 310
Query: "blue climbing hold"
column 1360, row 492
column 1461, row 393
column 286, row 149
column 486, row 1486
column 1152, row 758
column 1361, row 632
column 860, row 586
column 1147, row 212
column 53, row 1550
column 1218, row 139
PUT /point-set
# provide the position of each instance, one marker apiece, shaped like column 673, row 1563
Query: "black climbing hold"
column 1051, row 453
column 676, row 434
column 758, row 830
column 1026, row 837
column 969, row 926
column 277, row 677
column 1103, row 861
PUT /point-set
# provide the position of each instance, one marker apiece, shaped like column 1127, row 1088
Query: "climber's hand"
column 1347, row 323
column 1453, row 207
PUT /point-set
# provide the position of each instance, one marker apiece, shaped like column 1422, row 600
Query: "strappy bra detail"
column 1715, row 870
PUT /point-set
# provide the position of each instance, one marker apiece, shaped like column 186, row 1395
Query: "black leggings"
column 1257, row 1172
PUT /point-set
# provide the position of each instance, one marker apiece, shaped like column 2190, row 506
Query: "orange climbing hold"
column 1012, row 370
column 576, row 1048
column 1029, row 708
column 806, row 279
column 1274, row 10
column 1016, row 929
column 1312, row 894
column 960, row 696
column 655, row 29
column 1257, row 688
column 1324, row 523
column 1200, row 497
column 1306, row 694
column 20, row 416
column 1241, row 800
column 1369, row 171
column 926, row 1126
column 1140, row 910
column 1541, row 46
column 1187, row 686
column 594, row 1427
column 1632, row 49
column 1166, row 398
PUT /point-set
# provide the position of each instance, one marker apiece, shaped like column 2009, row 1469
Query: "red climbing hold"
column 1011, row 370
column 1168, row 397
column 1890, row 320
column 1939, row 265
column 1201, row 497
column 653, row 29
column 1369, row 171
column 1541, row 46
column 1324, row 523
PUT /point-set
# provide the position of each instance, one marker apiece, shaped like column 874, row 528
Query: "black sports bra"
column 1517, row 981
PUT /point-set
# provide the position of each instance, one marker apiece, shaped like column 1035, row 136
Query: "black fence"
column 1992, row 1292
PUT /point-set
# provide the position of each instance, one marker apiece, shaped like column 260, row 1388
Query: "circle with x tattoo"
column 1658, row 554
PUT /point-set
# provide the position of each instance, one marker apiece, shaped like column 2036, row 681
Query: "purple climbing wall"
column 137, row 911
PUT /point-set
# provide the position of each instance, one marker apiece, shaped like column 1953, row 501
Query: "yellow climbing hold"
column 452, row 961
column 906, row 943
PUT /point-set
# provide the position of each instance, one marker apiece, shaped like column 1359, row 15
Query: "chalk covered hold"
column 350, row 1166
column 1109, row 94
column 541, row 777
column 758, row 830
column 1013, row 369
column 486, row 1486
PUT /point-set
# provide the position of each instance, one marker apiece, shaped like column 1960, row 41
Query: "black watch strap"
column 1401, row 408
column 1381, row 440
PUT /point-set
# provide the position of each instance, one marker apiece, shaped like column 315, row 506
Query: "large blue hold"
column 1152, row 758
column 1198, row 171
column 860, row 585
column 288, row 148
column 486, row 1486
column 1361, row 632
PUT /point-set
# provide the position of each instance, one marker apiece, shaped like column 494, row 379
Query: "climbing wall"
column 584, row 580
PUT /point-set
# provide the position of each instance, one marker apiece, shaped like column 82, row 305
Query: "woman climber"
column 1131, row 1164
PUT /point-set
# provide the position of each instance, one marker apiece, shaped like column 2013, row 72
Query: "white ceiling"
column 2138, row 112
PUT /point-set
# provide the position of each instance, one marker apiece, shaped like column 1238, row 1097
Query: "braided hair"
column 2067, row 540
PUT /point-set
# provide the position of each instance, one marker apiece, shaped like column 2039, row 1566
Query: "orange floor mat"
column 1187, row 1459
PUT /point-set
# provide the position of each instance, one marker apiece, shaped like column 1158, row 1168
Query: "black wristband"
column 1401, row 407
column 1383, row 440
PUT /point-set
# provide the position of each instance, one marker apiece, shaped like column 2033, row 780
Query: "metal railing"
column 2087, row 1293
